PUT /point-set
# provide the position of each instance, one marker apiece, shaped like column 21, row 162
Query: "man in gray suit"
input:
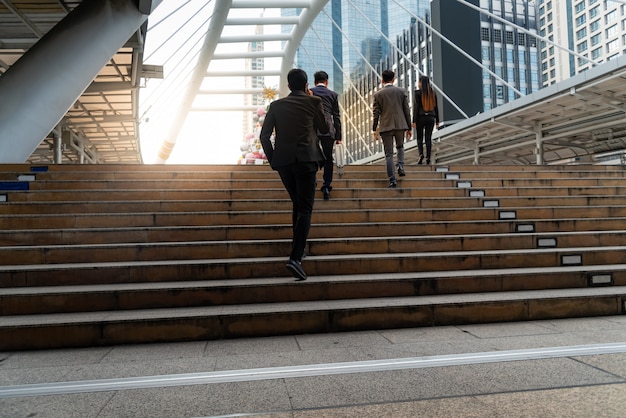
column 392, row 118
column 296, row 155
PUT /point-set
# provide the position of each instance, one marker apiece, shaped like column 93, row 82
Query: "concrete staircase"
column 114, row 254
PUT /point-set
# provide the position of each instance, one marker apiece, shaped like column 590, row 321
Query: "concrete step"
column 404, row 182
column 263, row 267
column 283, row 204
column 112, row 220
column 219, row 194
column 255, row 248
column 77, row 236
column 93, row 255
column 410, row 181
column 229, row 168
column 155, row 206
column 531, row 168
column 70, row 180
column 165, row 295
column 89, row 329
column 278, row 193
column 542, row 174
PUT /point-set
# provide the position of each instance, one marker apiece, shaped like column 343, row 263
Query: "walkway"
column 491, row 370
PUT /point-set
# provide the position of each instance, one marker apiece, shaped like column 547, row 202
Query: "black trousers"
column 424, row 126
column 299, row 180
column 327, row 148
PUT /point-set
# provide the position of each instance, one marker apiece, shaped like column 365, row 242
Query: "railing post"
column 539, row 146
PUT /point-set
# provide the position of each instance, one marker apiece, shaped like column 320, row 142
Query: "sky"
column 206, row 137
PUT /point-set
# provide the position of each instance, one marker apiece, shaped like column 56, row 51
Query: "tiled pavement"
column 493, row 370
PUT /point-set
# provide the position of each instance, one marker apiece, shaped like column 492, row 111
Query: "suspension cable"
column 180, row 27
column 536, row 35
column 407, row 58
column 460, row 50
column 349, row 78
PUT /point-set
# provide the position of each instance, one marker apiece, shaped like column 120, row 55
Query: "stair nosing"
column 331, row 279
column 84, row 318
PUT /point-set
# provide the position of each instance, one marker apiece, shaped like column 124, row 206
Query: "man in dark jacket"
column 296, row 155
column 330, row 103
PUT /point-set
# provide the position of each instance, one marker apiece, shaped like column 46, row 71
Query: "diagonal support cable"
column 407, row 58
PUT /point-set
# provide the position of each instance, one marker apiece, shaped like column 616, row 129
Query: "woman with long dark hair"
column 425, row 117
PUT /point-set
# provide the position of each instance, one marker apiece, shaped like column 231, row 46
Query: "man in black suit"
column 296, row 155
column 392, row 118
column 330, row 103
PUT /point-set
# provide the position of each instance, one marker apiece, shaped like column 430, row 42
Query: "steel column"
column 38, row 90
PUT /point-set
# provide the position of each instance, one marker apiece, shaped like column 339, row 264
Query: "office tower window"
column 579, row 7
column 486, row 55
column 595, row 39
column 611, row 16
column 497, row 35
column 509, row 37
column 596, row 53
column 611, row 31
column 497, row 54
column 484, row 32
column 594, row 26
column 510, row 75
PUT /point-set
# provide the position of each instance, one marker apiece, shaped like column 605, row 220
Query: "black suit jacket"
column 330, row 104
column 294, row 119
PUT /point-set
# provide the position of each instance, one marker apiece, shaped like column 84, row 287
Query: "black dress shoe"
column 296, row 270
column 326, row 193
column 421, row 160
column 393, row 185
column 401, row 172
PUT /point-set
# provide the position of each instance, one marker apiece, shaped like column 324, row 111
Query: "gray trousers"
column 388, row 139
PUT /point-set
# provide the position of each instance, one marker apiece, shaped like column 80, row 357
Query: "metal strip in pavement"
column 284, row 372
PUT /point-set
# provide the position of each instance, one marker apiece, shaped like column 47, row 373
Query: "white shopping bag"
column 340, row 157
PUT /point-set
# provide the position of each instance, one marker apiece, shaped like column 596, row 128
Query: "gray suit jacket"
column 391, row 109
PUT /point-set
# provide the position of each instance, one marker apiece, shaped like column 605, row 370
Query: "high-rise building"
column 346, row 40
column 479, row 56
column 253, row 82
column 595, row 30
column 326, row 46
column 501, row 40
column 321, row 47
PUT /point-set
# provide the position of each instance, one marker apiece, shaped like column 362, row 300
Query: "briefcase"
column 340, row 157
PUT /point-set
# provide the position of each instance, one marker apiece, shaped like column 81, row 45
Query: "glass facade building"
column 499, row 62
column 593, row 30
column 509, row 51
column 368, row 22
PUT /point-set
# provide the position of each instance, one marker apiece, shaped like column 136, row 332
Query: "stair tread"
column 92, row 265
column 311, row 240
column 206, row 247
column 264, row 281
column 267, row 308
